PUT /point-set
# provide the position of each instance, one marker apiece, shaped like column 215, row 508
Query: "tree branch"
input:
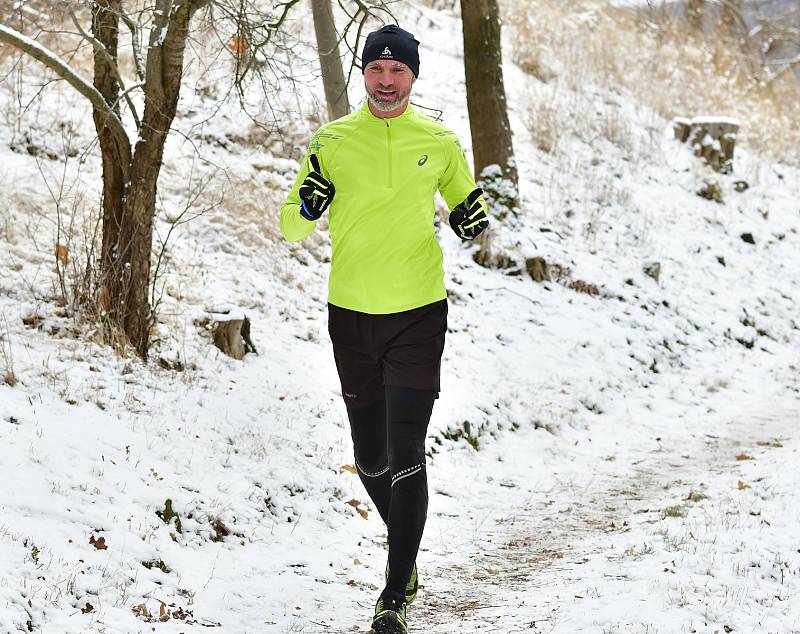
column 787, row 66
column 112, row 63
column 136, row 48
column 274, row 26
column 354, row 50
column 158, row 33
column 65, row 72
column 781, row 62
column 270, row 28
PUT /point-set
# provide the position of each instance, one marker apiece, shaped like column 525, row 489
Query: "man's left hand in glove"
column 469, row 218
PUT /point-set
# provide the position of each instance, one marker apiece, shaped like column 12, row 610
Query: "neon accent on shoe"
column 390, row 617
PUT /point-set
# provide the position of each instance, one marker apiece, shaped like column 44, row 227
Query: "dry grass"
column 544, row 122
column 8, row 376
column 657, row 59
column 76, row 280
column 249, row 207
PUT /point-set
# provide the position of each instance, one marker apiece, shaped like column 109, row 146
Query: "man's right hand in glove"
column 316, row 192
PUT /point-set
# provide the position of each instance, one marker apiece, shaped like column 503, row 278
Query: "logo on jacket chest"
column 422, row 160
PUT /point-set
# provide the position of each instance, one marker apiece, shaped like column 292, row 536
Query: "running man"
column 375, row 171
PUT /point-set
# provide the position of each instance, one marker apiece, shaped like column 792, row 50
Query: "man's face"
column 388, row 83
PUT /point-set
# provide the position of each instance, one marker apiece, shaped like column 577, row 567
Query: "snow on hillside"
column 610, row 452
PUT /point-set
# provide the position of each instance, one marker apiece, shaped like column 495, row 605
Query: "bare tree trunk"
column 329, row 60
column 486, row 96
column 105, row 27
column 129, row 208
column 162, row 89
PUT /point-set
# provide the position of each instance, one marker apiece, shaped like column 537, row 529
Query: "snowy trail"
column 609, row 405
column 606, row 557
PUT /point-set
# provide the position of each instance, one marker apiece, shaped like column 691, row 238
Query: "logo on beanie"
column 386, row 52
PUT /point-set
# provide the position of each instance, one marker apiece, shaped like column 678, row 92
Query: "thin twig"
column 508, row 290
column 135, row 45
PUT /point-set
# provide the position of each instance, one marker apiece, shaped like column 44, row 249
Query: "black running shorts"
column 399, row 349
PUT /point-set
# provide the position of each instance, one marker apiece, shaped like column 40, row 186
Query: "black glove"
column 316, row 192
column 469, row 218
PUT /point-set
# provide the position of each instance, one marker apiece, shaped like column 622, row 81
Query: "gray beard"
column 387, row 107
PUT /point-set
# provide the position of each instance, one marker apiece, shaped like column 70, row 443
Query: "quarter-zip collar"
column 387, row 124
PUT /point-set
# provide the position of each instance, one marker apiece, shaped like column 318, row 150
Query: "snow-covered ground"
column 617, row 460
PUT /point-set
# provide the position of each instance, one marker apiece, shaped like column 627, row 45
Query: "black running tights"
column 389, row 446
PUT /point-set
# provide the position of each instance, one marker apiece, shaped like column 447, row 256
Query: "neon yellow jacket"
column 385, row 257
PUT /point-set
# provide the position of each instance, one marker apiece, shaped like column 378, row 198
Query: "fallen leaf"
column 88, row 608
column 349, row 468
column 743, row 456
column 743, row 486
column 630, row 552
column 363, row 513
column 163, row 615
column 357, row 562
column 141, row 610
column 99, row 543
column 354, row 503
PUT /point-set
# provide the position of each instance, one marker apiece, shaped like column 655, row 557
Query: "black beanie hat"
column 391, row 42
